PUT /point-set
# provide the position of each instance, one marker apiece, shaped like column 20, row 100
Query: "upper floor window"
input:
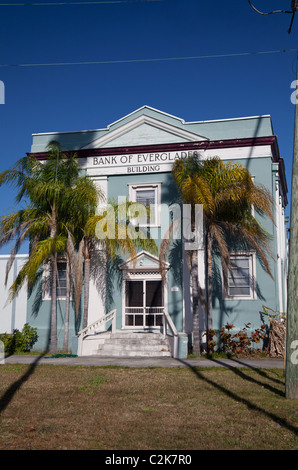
column 149, row 196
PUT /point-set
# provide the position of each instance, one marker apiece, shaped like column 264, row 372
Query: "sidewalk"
column 268, row 363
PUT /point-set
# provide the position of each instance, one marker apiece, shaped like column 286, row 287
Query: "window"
column 147, row 194
column 61, row 280
column 241, row 282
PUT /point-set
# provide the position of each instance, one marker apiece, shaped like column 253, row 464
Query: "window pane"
column 145, row 196
column 240, row 263
column 134, row 293
column 149, row 320
column 234, row 291
column 240, row 283
column 139, row 320
column 129, row 320
column 153, row 293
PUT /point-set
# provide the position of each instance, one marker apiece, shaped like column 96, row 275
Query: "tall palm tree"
column 55, row 189
column 227, row 193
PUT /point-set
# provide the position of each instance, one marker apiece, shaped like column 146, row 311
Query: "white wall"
column 13, row 315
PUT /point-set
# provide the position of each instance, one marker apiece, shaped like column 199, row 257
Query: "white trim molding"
column 251, row 256
column 155, row 210
column 130, row 126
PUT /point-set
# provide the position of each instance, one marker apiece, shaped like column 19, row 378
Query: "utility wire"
column 270, row 12
column 164, row 59
column 74, row 3
column 294, row 6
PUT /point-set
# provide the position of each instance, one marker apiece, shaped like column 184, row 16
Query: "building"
column 133, row 158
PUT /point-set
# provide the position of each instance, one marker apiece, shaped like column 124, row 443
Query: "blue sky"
column 76, row 97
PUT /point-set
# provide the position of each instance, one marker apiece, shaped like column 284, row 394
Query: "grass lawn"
column 83, row 408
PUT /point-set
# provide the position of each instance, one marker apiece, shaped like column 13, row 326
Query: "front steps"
column 130, row 344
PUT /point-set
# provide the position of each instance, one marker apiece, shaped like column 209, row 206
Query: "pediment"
column 144, row 130
column 143, row 261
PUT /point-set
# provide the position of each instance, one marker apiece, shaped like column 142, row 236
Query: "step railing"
column 95, row 327
column 169, row 322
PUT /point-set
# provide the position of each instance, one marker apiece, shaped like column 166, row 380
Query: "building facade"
column 132, row 158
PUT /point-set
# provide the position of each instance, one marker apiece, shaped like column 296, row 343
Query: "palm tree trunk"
column 53, row 340
column 86, row 290
column 195, row 301
column 67, row 302
column 209, row 298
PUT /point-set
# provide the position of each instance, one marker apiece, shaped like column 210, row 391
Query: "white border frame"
column 130, row 272
column 251, row 255
column 133, row 187
column 46, row 292
column 142, row 275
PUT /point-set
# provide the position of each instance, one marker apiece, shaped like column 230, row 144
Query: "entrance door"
column 143, row 304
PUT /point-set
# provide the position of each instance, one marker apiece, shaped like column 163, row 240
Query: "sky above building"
column 194, row 59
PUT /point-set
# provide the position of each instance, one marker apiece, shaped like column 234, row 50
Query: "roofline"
column 202, row 144
column 158, row 111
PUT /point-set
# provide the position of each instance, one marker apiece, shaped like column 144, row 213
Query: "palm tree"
column 55, row 189
column 60, row 220
column 227, row 193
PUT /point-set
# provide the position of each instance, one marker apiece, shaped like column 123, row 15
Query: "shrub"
column 19, row 341
column 239, row 343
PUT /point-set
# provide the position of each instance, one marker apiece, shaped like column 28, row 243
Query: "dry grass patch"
column 59, row 407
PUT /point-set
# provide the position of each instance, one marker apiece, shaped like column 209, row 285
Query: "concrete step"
column 134, row 344
column 132, row 347
column 121, row 353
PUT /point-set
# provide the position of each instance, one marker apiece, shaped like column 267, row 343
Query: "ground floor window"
column 143, row 303
column 61, row 281
column 241, row 281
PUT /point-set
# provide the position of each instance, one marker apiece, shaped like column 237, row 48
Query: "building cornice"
column 186, row 146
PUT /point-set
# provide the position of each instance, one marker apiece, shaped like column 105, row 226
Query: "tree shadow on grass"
column 244, row 376
column 12, row 390
column 261, row 372
column 280, row 421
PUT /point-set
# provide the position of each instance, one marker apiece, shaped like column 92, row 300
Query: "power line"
column 269, row 12
column 74, row 3
column 294, row 8
column 164, row 59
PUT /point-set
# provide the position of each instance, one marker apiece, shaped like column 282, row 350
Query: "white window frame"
column 133, row 188
column 251, row 256
column 46, row 285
